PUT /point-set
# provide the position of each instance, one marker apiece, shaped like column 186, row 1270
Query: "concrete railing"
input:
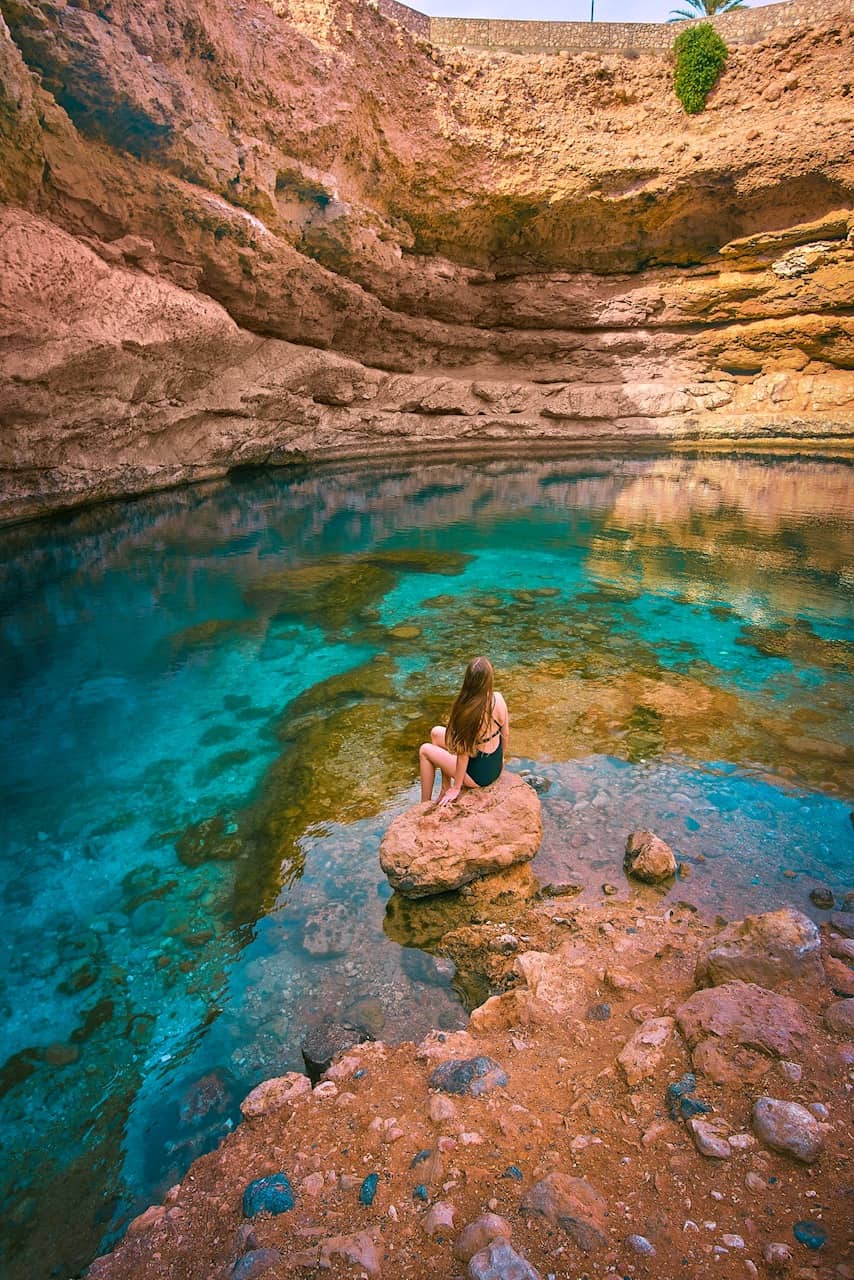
column 742, row 26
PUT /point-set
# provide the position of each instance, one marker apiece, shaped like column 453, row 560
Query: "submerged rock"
column 648, row 858
column 768, row 949
column 429, row 850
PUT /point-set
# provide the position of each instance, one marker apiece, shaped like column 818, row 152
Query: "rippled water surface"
column 211, row 706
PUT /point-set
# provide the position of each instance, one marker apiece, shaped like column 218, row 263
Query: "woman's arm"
column 504, row 722
column 457, row 785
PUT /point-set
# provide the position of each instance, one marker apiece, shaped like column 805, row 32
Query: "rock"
column 609, row 890
column 839, row 1017
column 361, row 1249
column 329, row 931
column 270, row 1194
column 255, row 1263
column 755, row 1182
column 841, row 948
column 325, row 1041
column 478, row 1234
column 368, row 1189
column 441, row 1110
column 150, row 1217
column 598, row 1013
column 822, row 898
column 733, row 1241
column 843, row 922
column 791, row 1071
column 743, row 1014
column 788, row 1127
column 644, row 1053
column 312, row 1184
column 640, row 1245
column 429, row 850
column 677, row 1090
column 498, row 1261
column 439, row 1218
column 622, row 981
column 272, row 1095
column 709, row 1138
column 768, row 949
column 810, row 1233
column 840, row 977
column 777, row 1255
column 472, row 1077
column 572, row 1204
column 648, row 858
column 513, row 1171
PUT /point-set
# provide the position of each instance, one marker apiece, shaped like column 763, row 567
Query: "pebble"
column 441, row 1110
column 708, row 1139
column 690, row 1225
column 822, row 898
column 788, row 1127
column 609, row 890
column 754, row 1182
column 640, row 1244
column 598, row 1013
column 368, row 1189
column 420, row 1193
column 326, row 1089
column 273, row 1194
column 819, row 1110
column 777, row 1255
column 810, row 1233
column 438, row 1218
column 733, row 1242
column 741, row 1141
column 505, row 945
column 312, row 1185
column 472, row 1077
column 791, row 1071
column 513, row 1171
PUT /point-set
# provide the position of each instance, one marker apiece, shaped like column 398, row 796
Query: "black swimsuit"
column 485, row 767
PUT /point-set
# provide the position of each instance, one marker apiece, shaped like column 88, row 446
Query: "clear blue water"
column 211, row 706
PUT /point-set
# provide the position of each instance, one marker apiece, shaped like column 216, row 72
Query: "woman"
column 470, row 752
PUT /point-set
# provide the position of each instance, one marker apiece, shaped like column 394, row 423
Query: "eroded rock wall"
column 243, row 233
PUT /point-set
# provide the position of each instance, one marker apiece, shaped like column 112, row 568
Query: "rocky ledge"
column 430, row 850
column 246, row 232
column 602, row 1115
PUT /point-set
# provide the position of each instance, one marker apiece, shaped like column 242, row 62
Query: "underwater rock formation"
column 244, row 233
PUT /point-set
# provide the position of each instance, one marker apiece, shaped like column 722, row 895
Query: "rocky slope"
column 239, row 233
column 651, row 1096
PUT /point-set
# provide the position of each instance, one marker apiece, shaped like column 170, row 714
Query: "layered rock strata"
column 246, row 233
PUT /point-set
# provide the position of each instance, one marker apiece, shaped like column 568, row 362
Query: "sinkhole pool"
column 212, row 701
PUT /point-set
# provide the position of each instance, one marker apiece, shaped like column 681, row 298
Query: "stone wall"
column 746, row 26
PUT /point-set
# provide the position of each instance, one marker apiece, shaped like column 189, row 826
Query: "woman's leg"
column 431, row 758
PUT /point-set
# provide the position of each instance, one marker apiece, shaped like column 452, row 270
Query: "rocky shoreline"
column 647, row 1093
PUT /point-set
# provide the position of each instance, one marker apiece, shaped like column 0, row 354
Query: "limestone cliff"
column 235, row 232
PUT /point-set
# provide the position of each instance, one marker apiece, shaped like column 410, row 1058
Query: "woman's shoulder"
column 499, row 703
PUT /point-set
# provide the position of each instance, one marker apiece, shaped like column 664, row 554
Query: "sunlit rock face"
column 243, row 233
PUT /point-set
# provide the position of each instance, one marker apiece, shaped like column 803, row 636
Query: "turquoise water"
column 211, row 706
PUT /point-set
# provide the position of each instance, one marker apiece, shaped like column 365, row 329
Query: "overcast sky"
column 557, row 10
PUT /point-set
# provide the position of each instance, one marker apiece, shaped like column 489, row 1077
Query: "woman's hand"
column 449, row 795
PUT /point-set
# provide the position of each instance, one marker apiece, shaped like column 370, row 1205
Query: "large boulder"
column 431, row 850
column 740, row 1025
column 779, row 946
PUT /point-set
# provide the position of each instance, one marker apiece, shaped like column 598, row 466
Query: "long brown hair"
column 471, row 707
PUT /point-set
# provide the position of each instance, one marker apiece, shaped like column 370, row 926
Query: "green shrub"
column 700, row 57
